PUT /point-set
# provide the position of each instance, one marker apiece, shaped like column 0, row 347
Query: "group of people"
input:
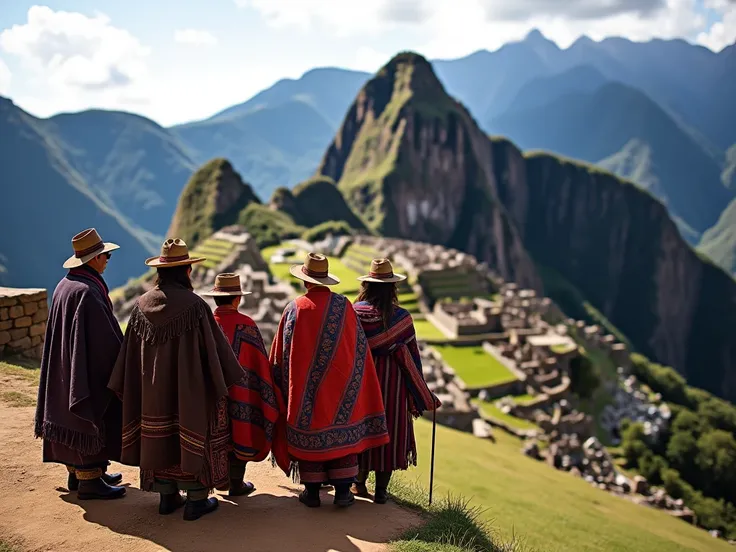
column 190, row 396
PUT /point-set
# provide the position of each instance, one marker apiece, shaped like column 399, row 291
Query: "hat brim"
column 74, row 262
column 157, row 263
column 226, row 293
column 393, row 280
column 330, row 280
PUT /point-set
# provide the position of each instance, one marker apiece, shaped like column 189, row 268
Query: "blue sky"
column 176, row 61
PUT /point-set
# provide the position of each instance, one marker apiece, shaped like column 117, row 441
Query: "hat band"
column 99, row 246
column 314, row 273
column 226, row 288
column 381, row 275
column 164, row 259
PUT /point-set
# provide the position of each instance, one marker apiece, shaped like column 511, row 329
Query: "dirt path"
column 38, row 514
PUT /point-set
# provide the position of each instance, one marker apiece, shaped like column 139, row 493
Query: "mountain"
column 327, row 90
column 46, row 201
column 270, row 145
column 133, row 164
column 719, row 242
column 622, row 129
column 213, row 198
column 314, row 202
column 412, row 163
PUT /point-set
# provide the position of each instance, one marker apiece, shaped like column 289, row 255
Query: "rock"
column 575, row 471
column 4, row 338
column 23, row 322
column 18, row 333
column 20, row 344
column 6, row 325
column 4, row 313
column 30, row 308
column 531, row 449
column 38, row 329
column 16, row 311
column 41, row 316
column 641, row 486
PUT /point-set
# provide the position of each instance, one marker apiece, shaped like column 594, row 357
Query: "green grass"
column 426, row 330
column 551, row 510
column 605, row 369
column 16, row 399
column 562, row 349
column 214, row 251
column 493, row 411
column 474, row 366
column 22, row 369
column 7, row 547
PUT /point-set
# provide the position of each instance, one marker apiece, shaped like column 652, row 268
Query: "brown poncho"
column 172, row 375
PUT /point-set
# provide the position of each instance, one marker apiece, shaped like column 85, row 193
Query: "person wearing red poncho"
column 330, row 399
column 252, row 403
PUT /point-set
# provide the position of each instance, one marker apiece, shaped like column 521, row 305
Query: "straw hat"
column 174, row 252
column 315, row 270
column 226, row 284
column 87, row 245
column 382, row 273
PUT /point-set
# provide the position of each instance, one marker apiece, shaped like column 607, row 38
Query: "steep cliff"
column 617, row 245
column 412, row 162
column 213, row 198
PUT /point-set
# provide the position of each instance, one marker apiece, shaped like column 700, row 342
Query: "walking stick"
column 431, row 466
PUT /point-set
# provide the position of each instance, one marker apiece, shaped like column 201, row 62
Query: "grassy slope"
column 551, row 510
column 474, row 366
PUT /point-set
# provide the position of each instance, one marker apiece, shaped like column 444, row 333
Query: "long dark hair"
column 174, row 275
column 382, row 296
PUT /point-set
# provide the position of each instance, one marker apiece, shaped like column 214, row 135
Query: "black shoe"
column 381, row 496
column 309, row 500
column 72, row 482
column 241, row 488
column 344, row 500
column 170, row 503
column 195, row 509
column 98, row 489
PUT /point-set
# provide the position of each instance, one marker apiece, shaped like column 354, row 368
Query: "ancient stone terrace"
column 23, row 315
column 463, row 318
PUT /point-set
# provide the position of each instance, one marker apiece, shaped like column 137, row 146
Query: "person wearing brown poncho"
column 76, row 415
column 172, row 375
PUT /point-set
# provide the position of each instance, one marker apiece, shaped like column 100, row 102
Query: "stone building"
column 23, row 316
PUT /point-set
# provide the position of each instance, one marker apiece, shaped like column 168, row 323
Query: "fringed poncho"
column 173, row 375
column 77, row 416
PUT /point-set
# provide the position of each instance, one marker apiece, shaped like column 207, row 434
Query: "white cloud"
column 722, row 33
column 195, row 36
column 5, row 78
column 75, row 51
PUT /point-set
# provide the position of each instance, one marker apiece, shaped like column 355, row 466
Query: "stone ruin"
column 590, row 460
column 456, row 410
column 476, row 317
column 23, row 316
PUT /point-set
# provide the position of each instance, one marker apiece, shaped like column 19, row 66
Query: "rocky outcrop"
column 212, row 199
column 618, row 247
column 315, row 201
column 413, row 163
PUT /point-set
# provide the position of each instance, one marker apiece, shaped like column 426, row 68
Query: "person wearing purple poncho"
column 78, row 417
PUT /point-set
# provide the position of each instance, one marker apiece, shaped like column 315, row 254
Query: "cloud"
column 342, row 17
column 405, row 11
column 576, row 10
column 76, row 51
column 5, row 78
column 195, row 36
column 721, row 33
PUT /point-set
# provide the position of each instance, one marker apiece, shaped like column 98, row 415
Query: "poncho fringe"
column 82, row 442
column 180, row 324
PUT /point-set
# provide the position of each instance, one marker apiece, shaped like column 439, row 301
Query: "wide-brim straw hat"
column 315, row 270
column 174, row 252
column 87, row 245
column 227, row 284
column 382, row 273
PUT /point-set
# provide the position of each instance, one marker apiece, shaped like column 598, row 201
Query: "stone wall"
column 23, row 315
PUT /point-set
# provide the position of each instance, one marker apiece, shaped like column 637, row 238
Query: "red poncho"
column 324, row 372
column 252, row 406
